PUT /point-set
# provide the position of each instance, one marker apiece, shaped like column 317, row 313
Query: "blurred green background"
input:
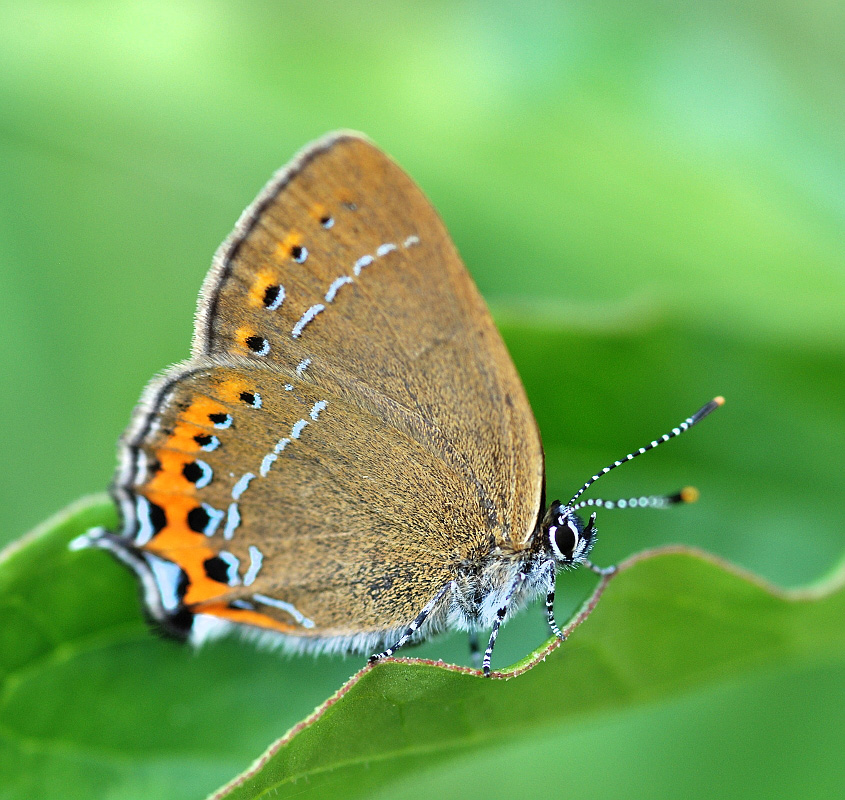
column 651, row 195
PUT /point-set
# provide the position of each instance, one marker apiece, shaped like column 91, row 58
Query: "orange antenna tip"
column 689, row 494
column 719, row 401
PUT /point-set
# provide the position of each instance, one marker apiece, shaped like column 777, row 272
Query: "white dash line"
column 305, row 319
column 316, row 409
column 362, row 262
column 145, row 530
column 281, row 445
column 214, row 517
column 289, row 607
column 298, row 427
column 232, row 567
column 280, row 298
column 334, row 288
column 213, row 444
column 240, row 487
column 411, row 241
column 302, row 366
column 266, row 463
column 384, row 249
column 233, row 519
column 256, row 558
column 206, row 474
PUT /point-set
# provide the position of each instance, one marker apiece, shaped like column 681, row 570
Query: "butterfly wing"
column 350, row 428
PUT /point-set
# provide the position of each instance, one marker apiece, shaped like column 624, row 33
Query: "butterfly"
column 348, row 460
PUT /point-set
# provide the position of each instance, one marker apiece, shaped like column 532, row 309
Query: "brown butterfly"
column 348, row 461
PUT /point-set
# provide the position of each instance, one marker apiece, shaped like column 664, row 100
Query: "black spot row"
column 258, row 344
column 217, row 569
column 158, row 519
column 271, row 295
column 192, row 471
column 198, row 519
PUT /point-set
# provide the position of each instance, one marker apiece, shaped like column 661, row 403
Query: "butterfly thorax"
column 483, row 582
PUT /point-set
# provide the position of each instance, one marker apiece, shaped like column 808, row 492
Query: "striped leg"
column 550, row 610
column 500, row 615
column 550, row 604
column 412, row 628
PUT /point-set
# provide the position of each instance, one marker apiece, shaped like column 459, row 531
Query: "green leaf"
column 91, row 703
column 668, row 620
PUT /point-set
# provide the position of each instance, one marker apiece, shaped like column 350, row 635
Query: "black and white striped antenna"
column 687, row 495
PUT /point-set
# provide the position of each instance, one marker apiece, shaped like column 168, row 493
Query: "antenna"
column 689, row 494
column 684, row 426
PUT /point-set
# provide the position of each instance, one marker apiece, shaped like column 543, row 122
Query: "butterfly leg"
column 412, row 628
column 599, row 570
column 550, row 610
column 550, row 604
column 474, row 649
column 500, row 615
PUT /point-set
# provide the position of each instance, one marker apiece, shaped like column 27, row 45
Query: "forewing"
column 343, row 265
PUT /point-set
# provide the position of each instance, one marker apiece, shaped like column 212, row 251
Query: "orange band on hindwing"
column 246, row 616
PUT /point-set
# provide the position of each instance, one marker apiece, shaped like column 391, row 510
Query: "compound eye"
column 565, row 540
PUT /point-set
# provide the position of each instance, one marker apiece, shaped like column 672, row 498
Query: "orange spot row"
column 242, row 334
column 318, row 211
column 284, row 248
column 188, row 549
column 183, row 438
column 169, row 479
column 263, row 281
column 176, row 535
column 200, row 409
column 230, row 389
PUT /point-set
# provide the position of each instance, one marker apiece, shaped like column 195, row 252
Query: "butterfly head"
column 566, row 536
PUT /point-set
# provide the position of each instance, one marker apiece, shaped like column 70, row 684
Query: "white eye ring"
column 577, row 540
